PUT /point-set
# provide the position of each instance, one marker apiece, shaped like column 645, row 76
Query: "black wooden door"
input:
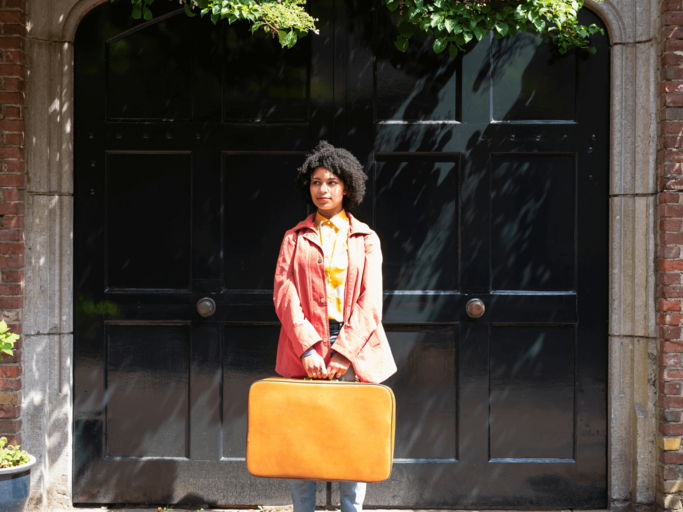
column 488, row 179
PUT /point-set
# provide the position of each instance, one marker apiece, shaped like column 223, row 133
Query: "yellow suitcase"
column 321, row 430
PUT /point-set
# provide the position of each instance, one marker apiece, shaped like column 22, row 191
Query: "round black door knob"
column 206, row 307
column 475, row 308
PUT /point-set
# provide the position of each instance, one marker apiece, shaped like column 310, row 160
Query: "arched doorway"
column 488, row 179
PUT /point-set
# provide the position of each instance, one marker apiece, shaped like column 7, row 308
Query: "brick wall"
column 12, row 42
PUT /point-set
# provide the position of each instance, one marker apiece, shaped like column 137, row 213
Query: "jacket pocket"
column 375, row 340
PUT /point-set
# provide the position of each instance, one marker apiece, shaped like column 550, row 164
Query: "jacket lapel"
column 306, row 229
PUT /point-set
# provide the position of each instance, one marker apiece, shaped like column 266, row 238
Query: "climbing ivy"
column 452, row 23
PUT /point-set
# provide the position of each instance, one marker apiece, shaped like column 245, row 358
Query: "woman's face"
column 327, row 192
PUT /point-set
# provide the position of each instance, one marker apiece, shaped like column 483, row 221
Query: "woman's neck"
column 328, row 214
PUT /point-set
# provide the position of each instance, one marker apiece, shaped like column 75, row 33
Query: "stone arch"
column 46, row 409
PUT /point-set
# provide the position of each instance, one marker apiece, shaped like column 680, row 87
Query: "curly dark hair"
column 339, row 162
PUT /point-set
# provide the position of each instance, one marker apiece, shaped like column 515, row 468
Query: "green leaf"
column 479, row 33
column 468, row 36
column 137, row 12
column 539, row 24
column 440, row 45
column 592, row 49
column 188, row 11
column 392, row 6
column 282, row 37
column 502, row 28
column 255, row 26
column 450, row 24
column 215, row 17
column 291, row 39
column 406, row 29
column 452, row 51
column 401, row 43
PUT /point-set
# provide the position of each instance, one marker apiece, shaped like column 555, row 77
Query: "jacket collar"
column 356, row 227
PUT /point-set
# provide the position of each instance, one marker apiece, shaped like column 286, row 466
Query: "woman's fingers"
column 335, row 370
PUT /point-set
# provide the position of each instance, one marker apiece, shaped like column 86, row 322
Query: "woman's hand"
column 315, row 366
column 338, row 366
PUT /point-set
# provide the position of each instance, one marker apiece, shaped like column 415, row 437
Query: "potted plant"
column 15, row 463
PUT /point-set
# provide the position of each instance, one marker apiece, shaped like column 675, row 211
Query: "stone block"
column 622, row 114
column 645, row 118
column 632, row 419
column 619, row 403
column 34, row 406
column 47, row 418
column 49, row 121
column 56, row 20
column 612, row 18
column 49, row 265
column 634, row 114
column 632, row 283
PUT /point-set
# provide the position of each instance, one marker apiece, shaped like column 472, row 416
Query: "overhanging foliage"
column 453, row 23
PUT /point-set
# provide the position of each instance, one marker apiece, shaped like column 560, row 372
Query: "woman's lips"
column 323, row 199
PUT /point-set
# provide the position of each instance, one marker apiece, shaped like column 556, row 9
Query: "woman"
column 328, row 293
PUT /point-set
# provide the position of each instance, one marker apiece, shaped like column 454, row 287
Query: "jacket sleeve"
column 366, row 313
column 299, row 330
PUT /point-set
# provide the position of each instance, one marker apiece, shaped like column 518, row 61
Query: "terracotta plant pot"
column 15, row 486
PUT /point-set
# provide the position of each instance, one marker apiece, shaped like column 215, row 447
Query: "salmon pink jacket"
column 301, row 303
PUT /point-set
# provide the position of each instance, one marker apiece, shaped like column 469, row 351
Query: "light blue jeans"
column 352, row 495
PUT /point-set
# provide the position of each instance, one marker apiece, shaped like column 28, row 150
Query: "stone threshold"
column 288, row 508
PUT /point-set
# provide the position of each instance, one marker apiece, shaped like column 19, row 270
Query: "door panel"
column 531, row 393
column 252, row 192
column 487, row 178
column 263, row 83
column 147, row 408
column 160, row 230
column 523, row 89
column 425, row 387
column 533, row 222
column 416, row 197
column 247, row 353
